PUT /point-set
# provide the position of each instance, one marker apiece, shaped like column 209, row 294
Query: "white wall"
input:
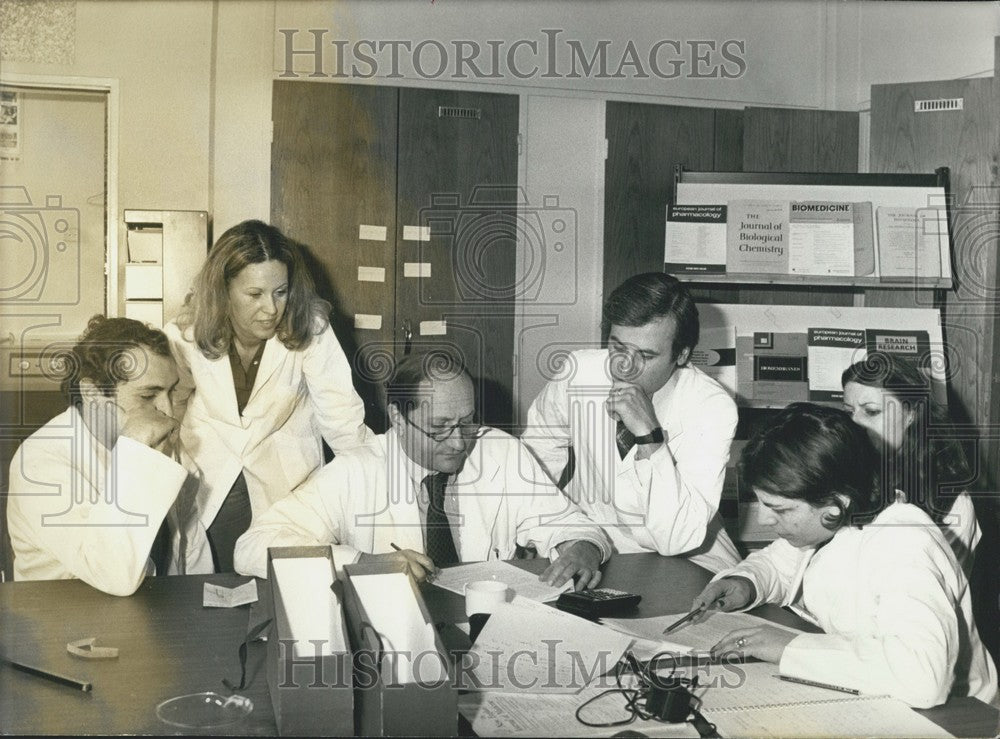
column 563, row 174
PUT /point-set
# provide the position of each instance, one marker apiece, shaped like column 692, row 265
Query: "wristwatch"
column 653, row 437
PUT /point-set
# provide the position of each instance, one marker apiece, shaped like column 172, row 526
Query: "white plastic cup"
column 483, row 596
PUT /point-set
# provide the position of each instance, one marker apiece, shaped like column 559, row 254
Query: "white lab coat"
column 298, row 397
column 365, row 501
column 893, row 602
column 667, row 503
column 960, row 528
column 78, row 510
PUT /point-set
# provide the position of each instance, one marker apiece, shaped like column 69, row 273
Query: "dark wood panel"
column 966, row 141
column 333, row 168
column 778, row 140
column 458, row 176
column 835, row 141
column 728, row 154
column 645, row 143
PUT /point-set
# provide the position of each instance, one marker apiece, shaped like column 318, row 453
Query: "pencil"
column 393, row 545
column 813, row 683
column 52, row 676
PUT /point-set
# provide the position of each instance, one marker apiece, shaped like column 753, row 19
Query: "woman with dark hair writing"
column 263, row 380
column 877, row 576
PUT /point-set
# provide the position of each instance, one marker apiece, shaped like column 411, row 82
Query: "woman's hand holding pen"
column 727, row 594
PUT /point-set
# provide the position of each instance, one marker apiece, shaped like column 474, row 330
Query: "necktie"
column 440, row 542
column 160, row 551
column 625, row 440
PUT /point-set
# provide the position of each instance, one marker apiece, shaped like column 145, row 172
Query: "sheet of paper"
column 530, row 715
column 416, row 269
column 756, row 685
column 219, row 596
column 433, row 328
column 371, row 274
column 371, row 233
column 701, row 636
column 314, row 613
column 885, row 717
column 407, row 638
column 519, row 582
column 367, row 321
column 529, row 647
column 416, row 233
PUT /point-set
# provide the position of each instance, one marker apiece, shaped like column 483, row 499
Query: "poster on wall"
column 10, row 125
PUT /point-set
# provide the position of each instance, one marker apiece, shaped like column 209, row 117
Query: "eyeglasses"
column 467, row 429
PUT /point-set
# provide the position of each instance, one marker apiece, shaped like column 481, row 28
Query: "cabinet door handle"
column 407, row 329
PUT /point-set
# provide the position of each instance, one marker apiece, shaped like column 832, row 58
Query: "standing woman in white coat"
column 876, row 575
column 922, row 462
column 263, row 381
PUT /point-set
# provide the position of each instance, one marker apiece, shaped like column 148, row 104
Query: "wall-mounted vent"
column 450, row 112
column 937, row 106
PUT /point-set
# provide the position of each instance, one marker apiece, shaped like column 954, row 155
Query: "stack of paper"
column 564, row 653
column 521, row 582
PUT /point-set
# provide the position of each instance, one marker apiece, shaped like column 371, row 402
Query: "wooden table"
column 170, row 645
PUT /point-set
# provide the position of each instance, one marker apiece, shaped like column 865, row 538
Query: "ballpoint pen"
column 693, row 614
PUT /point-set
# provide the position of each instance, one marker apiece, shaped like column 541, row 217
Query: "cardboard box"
column 309, row 666
column 404, row 678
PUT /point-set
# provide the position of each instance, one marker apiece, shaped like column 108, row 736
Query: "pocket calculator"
column 599, row 602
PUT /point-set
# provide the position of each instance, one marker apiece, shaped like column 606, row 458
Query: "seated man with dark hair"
column 650, row 433
column 89, row 491
column 438, row 486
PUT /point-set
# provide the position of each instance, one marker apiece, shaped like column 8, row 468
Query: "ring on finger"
column 741, row 642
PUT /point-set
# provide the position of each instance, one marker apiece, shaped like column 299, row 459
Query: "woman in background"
column 922, row 463
column 263, row 380
column 889, row 595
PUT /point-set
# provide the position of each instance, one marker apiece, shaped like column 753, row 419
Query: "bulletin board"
column 897, row 226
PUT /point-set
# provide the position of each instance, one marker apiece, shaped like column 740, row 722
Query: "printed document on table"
column 529, row 647
column 521, row 582
column 884, row 717
column 531, row 715
column 700, row 637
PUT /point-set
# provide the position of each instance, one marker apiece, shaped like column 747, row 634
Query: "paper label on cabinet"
column 371, row 274
column 367, row 321
column 416, row 233
column 417, row 269
column 371, row 233
column 433, row 328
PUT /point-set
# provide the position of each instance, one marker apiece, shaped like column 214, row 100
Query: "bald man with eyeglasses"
column 437, row 489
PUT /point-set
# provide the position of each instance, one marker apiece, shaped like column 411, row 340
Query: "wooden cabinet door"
column 359, row 174
column 966, row 142
column 457, row 183
column 333, row 171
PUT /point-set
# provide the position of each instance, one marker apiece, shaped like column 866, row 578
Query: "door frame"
column 110, row 87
